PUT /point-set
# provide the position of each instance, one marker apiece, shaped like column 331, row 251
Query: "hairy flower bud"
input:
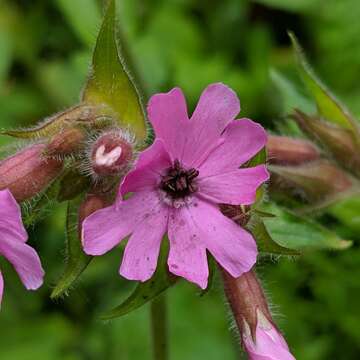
column 66, row 142
column 316, row 180
column 259, row 334
column 28, row 172
column 111, row 154
column 288, row 151
column 340, row 142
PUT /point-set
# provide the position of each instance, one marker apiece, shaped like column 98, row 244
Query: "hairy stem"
column 159, row 328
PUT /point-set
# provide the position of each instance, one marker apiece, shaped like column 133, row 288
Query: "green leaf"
column 299, row 233
column 109, row 83
column 51, row 126
column 264, row 240
column 146, row 291
column 328, row 106
column 77, row 260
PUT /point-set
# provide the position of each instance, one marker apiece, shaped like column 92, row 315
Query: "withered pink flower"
column 177, row 184
column 13, row 245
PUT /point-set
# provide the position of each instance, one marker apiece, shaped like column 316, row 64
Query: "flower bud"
column 111, row 154
column 28, row 172
column 288, row 151
column 340, row 142
column 259, row 334
column 316, row 180
column 66, row 142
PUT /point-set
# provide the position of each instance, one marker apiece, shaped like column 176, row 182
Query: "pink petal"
column 168, row 115
column 201, row 225
column 191, row 141
column 1, row 287
column 142, row 250
column 242, row 140
column 235, row 187
column 148, row 169
column 187, row 256
column 217, row 107
column 269, row 345
column 10, row 218
column 105, row 228
column 233, row 247
column 25, row 261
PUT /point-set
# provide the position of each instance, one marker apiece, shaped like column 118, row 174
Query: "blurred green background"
column 45, row 49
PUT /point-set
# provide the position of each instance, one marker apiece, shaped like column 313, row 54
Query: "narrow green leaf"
column 51, row 126
column 265, row 242
column 110, row 84
column 146, row 291
column 77, row 260
column 300, row 233
column 328, row 106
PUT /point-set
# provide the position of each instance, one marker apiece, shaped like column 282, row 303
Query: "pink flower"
column 177, row 184
column 12, row 245
column 269, row 344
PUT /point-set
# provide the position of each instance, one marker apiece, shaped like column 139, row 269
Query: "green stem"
column 159, row 328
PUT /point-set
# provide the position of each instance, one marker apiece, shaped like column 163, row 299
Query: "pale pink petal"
column 269, row 344
column 105, row 228
column 187, row 255
column 25, row 261
column 1, row 287
column 10, row 218
column 217, row 107
column 242, row 140
column 148, row 169
column 233, row 247
column 142, row 250
column 168, row 115
column 235, row 187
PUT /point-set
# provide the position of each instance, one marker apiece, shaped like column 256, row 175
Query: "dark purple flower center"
column 179, row 182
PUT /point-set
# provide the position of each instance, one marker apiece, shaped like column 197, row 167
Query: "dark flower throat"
column 179, row 182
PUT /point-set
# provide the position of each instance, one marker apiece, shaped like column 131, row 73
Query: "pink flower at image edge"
column 269, row 344
column 13, row 245
column 177, row 184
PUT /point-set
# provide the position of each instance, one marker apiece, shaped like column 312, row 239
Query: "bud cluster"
column 299, row 168
column 72, row 139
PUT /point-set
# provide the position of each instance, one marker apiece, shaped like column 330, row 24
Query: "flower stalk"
column 159, row 328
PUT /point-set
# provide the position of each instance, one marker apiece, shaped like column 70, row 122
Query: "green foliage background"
column 45, row 51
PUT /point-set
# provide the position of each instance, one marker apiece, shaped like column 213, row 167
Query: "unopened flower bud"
column 28, row 172
column 111, row 154
column 288, row 151
column 340, row 142
column 316, row 180
column 66, row 142
column 259, row 334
